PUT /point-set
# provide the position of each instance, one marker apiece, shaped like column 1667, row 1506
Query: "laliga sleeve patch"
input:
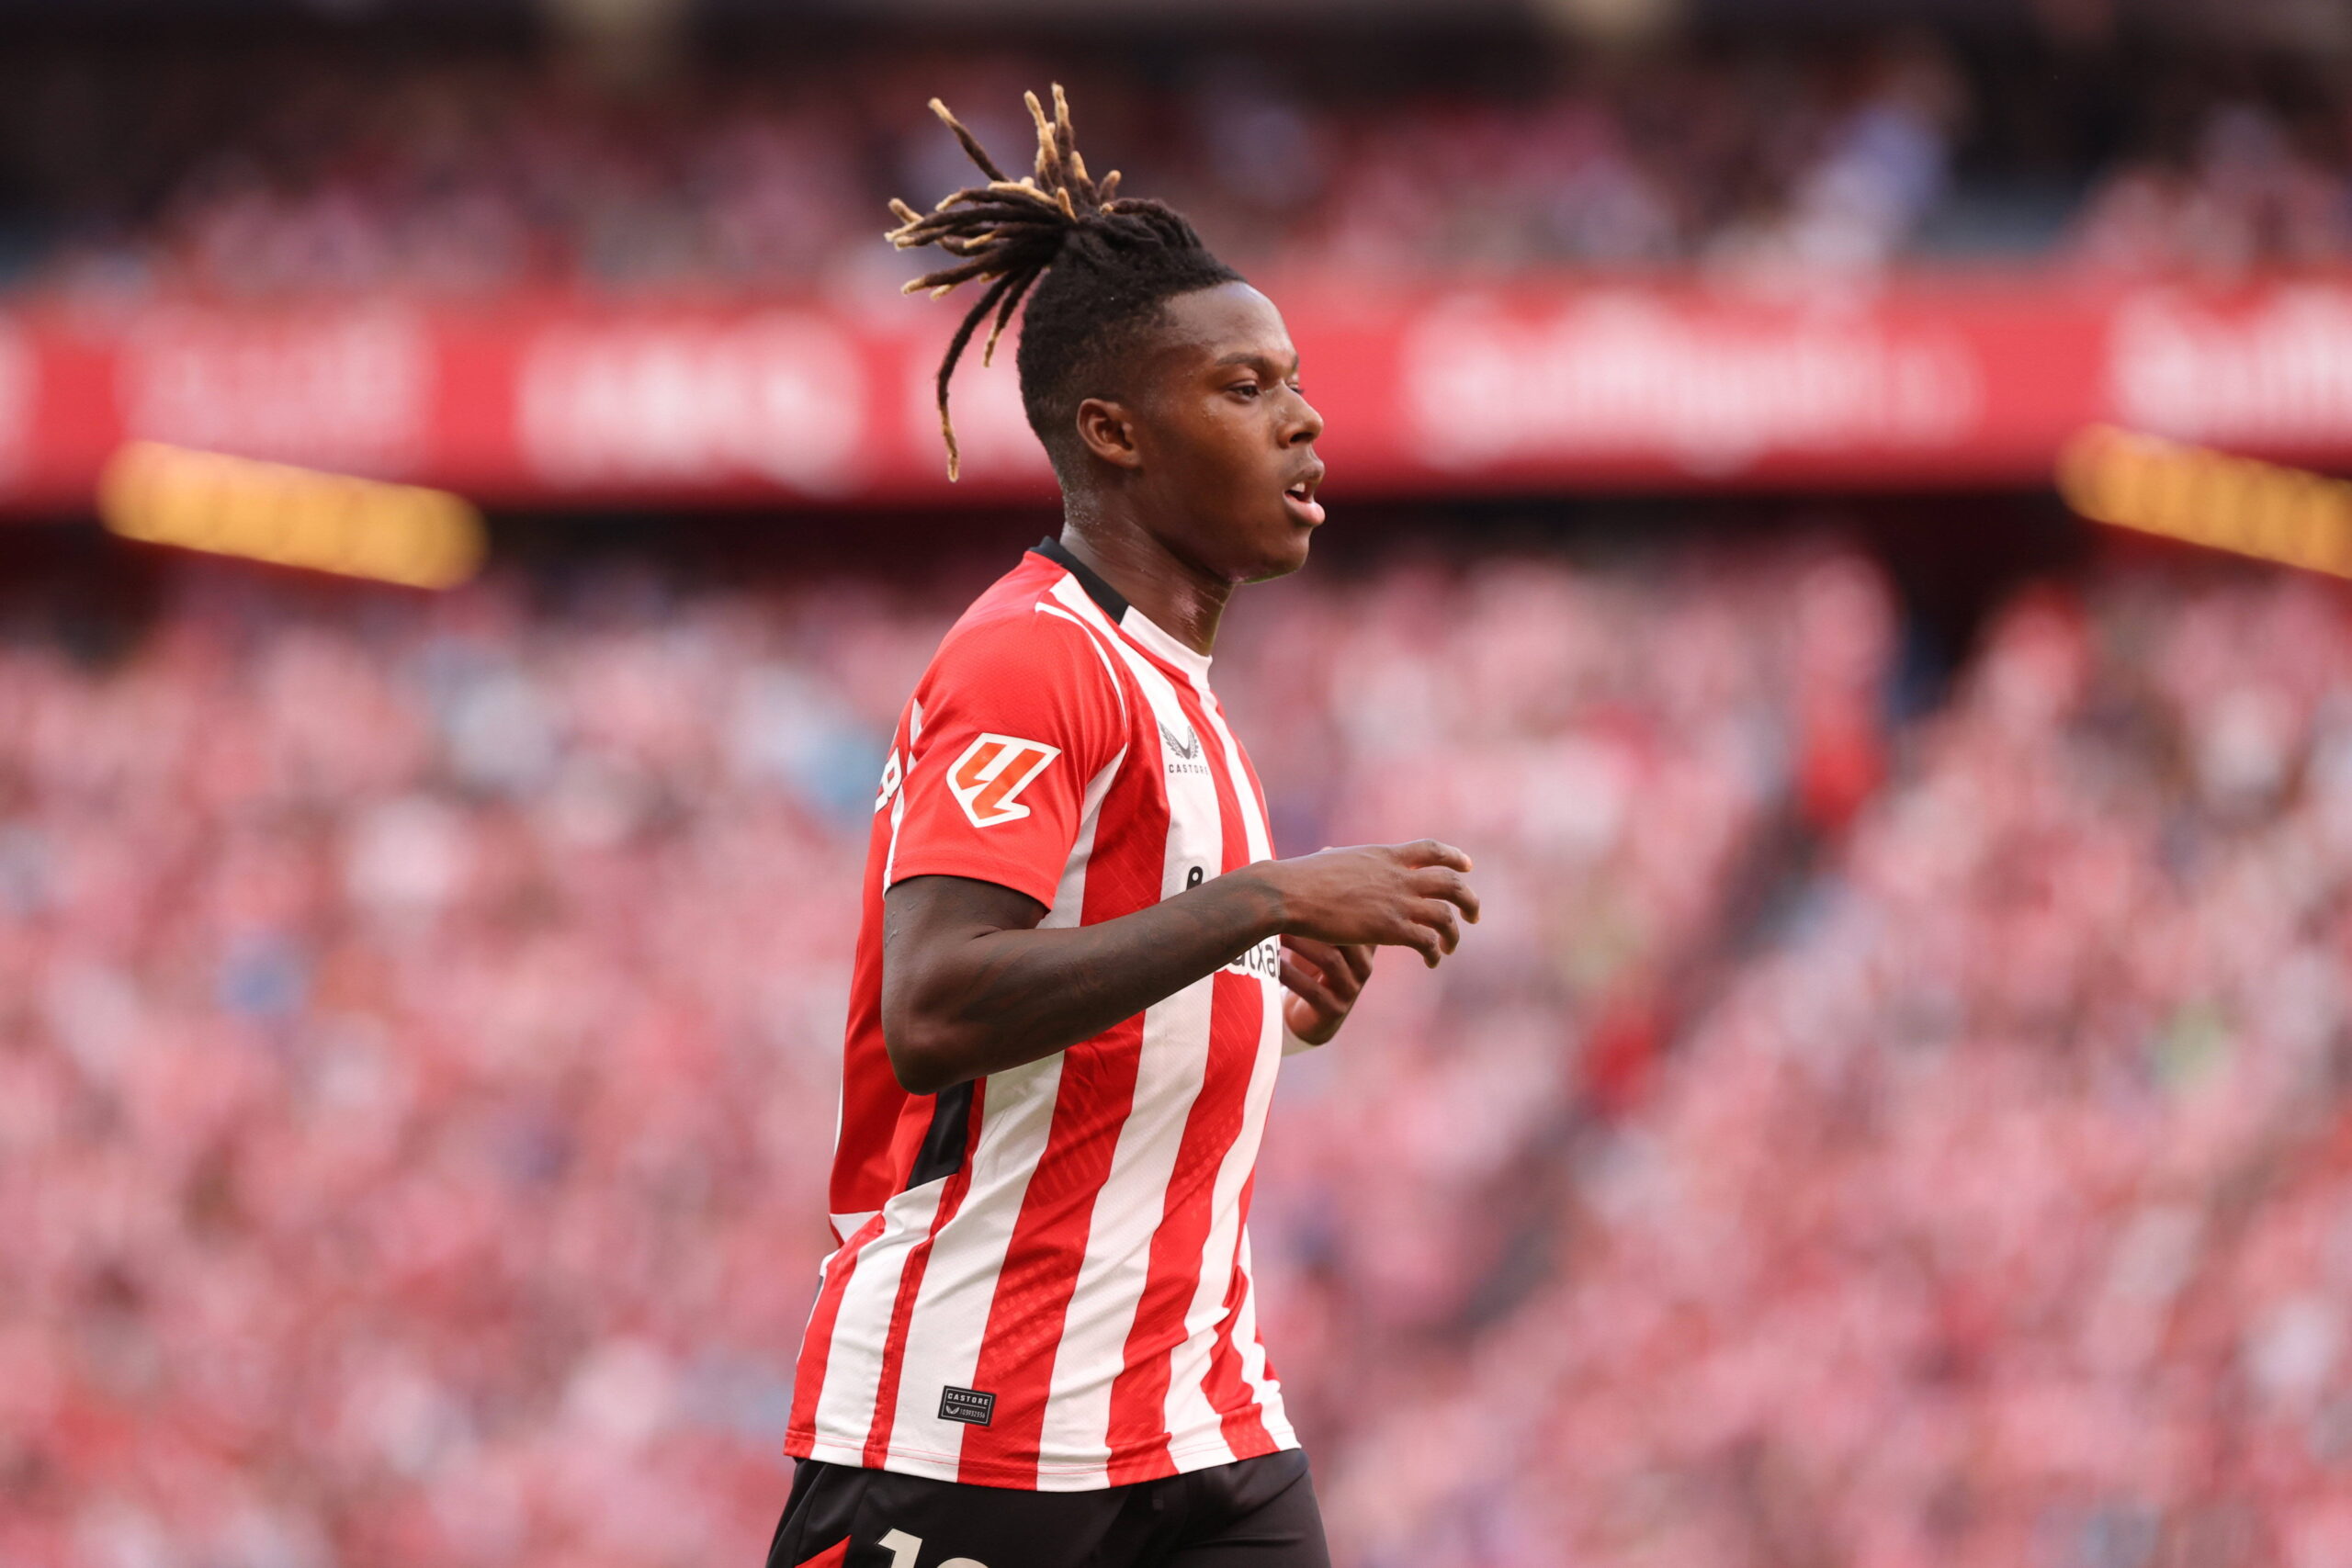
column 988, row 779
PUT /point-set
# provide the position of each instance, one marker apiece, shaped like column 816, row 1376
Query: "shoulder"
column 1022, row 662
column 1021, row 630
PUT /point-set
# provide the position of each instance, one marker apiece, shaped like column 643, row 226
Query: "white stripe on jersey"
column 899, row 802
column 1264, row 1387
column 951, row 1312
column 1188, row 1402
column 854, row 1368
column 1102, row 652
column 1118, row 1263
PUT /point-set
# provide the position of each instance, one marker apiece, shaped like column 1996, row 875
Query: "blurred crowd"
column 1843, row 1141
column 420, row 1021
column 456, row 174
column 2000, row 1213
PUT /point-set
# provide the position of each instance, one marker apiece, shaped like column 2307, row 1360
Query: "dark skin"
column 1197, row 478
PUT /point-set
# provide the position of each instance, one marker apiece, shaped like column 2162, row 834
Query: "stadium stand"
column 251, row 174
column 1996, row 1215
column 417, row 1087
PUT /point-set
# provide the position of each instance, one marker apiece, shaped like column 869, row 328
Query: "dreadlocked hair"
column 1093, row 265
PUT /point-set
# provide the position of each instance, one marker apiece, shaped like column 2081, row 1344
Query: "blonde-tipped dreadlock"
column 1105, row 261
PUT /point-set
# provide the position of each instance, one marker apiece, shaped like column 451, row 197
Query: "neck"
column 1176, row 594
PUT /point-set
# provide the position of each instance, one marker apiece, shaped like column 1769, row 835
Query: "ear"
column 1109, row 431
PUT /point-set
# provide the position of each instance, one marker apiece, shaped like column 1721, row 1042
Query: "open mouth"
column 1299, row 496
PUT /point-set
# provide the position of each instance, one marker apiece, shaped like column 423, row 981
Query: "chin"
column 1285, row 558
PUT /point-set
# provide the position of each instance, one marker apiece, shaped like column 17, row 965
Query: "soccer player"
column 1035, row 1344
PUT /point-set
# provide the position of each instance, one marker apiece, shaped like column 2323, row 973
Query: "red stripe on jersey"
column 902, row 1310
column 816, row 1346
column 864, row 1173
column 1138, row 1435
column 1229, row 1395
column 1257, row 789
column 1048, row 1244
column 1245, row 1427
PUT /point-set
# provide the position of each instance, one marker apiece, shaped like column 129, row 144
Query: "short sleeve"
column 1014, row 719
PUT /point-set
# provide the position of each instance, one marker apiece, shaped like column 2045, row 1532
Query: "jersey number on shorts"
column 905, row 1548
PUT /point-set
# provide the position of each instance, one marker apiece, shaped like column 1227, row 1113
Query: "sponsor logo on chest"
column 1181, row 752
column 1263, row 960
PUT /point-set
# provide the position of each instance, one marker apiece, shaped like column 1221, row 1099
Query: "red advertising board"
column 1439, row 390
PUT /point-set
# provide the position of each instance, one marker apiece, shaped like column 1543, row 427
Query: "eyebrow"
column 1252, row 356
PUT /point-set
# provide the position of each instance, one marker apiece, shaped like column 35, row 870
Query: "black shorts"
column 1258, row 1513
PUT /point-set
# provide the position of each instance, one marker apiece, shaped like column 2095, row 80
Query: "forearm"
column 997, row 999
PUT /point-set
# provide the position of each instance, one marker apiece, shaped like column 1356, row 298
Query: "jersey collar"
column 1121, row 615
column 1113, row 602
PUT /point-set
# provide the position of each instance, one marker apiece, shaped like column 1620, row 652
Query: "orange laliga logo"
column 991, row 774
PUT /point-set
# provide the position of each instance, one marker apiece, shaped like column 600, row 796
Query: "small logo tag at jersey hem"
column 968, row 1406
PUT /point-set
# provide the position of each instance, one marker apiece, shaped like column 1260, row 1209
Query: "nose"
column 1305, row 425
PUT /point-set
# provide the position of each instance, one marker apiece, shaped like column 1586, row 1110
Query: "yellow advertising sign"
column 290, row 516
column 2204, row 497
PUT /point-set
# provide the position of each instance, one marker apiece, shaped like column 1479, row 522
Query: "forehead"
column 1229, row 322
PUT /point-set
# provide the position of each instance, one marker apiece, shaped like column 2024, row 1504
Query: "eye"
column 1245, row 388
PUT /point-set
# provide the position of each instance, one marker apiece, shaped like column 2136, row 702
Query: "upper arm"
column 924, row 916
column 928, row 924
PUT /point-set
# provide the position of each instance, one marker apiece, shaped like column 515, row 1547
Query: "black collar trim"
column 1112, row 603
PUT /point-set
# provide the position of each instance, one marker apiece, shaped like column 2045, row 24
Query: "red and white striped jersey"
column 1043, row 1277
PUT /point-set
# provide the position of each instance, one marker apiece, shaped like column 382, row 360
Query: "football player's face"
column 1225, row 439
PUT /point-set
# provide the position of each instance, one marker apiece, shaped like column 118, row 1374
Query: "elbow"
column 924, row 1052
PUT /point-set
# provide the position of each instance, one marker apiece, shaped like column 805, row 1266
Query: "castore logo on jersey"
column 1184, row 752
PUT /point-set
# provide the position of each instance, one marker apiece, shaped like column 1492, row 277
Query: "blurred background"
column 1893, row 1111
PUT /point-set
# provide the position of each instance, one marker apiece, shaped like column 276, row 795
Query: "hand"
column 1388, row 895
column 1324, row 982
